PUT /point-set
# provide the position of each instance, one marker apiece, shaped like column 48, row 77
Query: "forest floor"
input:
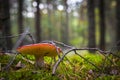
column 76, row 68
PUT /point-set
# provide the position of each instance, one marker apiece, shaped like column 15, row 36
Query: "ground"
column 76, row 68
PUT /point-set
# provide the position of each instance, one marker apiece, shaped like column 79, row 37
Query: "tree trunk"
column 5, row 23
column 118, row 20
column 66, row 27
column 20, row 16
column 49, row 21
column 38, row 22
column 91, row 22
column 102, row 24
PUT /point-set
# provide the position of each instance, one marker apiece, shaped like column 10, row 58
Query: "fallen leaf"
column 19, row 65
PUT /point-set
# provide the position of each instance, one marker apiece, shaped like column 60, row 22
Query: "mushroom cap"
column 40, row 49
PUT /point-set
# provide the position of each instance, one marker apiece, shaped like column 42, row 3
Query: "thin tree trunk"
column 66, row 27
column 91, row 27
column 49, row 21
column 20, row 16
column 118, row 20
column 5, row 21
column 102, row 24
column 38, row 22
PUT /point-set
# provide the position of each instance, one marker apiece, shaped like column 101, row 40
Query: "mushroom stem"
column 39, row 62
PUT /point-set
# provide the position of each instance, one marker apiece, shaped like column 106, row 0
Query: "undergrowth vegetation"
column 72, row 68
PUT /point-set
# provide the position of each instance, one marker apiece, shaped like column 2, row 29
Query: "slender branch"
column 60, row 43
column 10, row 61
column 75, row 49
column 58, row 62
column 21, row 39
column 33, row 40
column 13, row 36
column 15, row 47
column 69, row 61
column 103, row 65
column 96, row 49
column 87, row 60
column 27, row 60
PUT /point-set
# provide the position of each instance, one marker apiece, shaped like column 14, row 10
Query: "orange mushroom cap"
column 40, row 49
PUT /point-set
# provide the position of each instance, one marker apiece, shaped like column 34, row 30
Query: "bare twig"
column 69, row 61
column 60, row 43
column 103, row 65
column 33, row 40
column 96, row 49
column 10, row 61
column 15, row 47
column 13, row 36
column 32, row 62
column 22, row 34
column 75, row 49
column 58, row 62
column 86, row 60
column 21, row 39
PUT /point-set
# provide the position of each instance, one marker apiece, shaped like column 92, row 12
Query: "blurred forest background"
column 82, row 23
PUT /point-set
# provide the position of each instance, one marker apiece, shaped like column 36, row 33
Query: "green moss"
column 76, row 68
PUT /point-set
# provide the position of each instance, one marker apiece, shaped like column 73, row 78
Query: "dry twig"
column 75, row 49
column 15, row 47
